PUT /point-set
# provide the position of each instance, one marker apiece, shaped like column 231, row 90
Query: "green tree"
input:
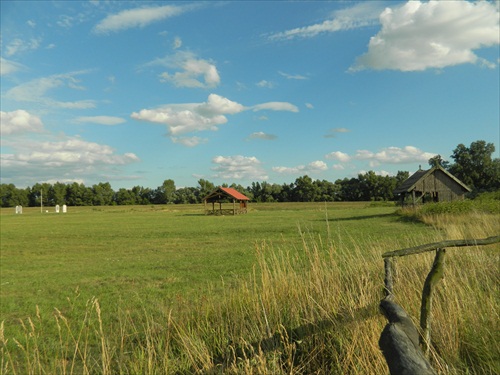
column 103, row 194
column 164, row 194
column 57, row 194
column 185, row 195
column 475, row 167
column 304, row 190
column 125, row 197
column 10, row 196
column 204, row 188
column 401, row 176
column 438, row 160
column 78, row 195
column 350, row 189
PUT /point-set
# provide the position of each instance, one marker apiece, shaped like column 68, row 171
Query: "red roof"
column 235, row 194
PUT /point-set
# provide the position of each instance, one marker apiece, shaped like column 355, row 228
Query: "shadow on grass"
column 287, row 336
column 364, row 217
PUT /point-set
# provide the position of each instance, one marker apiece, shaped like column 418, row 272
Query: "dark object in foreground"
column 399, row 343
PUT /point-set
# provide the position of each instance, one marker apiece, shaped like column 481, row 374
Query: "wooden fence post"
column 435, row 274
column 388, row 281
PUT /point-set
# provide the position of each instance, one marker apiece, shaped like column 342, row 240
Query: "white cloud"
column 292, row 76
column 276, row 106
column 360, row 15
column 189, row 141
column 64, row 158
column 265, row 84
column 338, row 155
column 388, row 155
column 19, row 121
column 262, row 135
column 19, row 45
column 332, row 133
column 177, row 43
column 9, row 67
column 309, row 105
column 313, row 167
column 394, row 155
column 191, row 117
column 238, row 167
column 102, row 120
column 65, row 21
column 35, row 91
column 139, row 17
column 194, row 72
column 378, row 173
column 434, row 34
column 195, row 117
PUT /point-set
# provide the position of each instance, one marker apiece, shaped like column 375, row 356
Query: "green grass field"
column 150, row 255
column 146, row 263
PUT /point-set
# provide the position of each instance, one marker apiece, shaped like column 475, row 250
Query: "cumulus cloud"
column 9, row 67
column 338, row 155
column 238, row 167
column 388, row 155
column 394, row 155
column 192, row 71
column 101, row 120
column 434, row 34
column 138, row 17
column 191, row 117
column 19, row 121
column 313, row 167
column 360, row 15
column 64, row 158
column 195, row 117
column 35, row 91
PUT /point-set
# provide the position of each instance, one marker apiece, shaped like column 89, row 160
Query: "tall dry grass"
column 312, row 310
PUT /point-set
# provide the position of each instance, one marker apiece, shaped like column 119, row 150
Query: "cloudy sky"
column 133, row 93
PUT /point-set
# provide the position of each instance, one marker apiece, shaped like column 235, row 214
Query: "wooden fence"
column 405, row 349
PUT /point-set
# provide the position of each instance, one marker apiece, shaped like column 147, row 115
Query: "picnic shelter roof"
column 222, row 192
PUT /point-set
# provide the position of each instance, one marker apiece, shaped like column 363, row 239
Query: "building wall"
column 440, row 184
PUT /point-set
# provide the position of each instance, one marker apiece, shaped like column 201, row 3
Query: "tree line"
column 473, row 165
column 365, row 187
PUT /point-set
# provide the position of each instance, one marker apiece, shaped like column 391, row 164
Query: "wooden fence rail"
column 400, row 339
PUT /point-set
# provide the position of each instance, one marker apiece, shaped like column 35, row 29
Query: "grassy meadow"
column 288, row 288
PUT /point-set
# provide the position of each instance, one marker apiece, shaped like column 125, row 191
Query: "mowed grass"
column 166, row 289
column 156, row 255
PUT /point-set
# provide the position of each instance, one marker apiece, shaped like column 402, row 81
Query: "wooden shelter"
column 226, row 195
column 433, row 185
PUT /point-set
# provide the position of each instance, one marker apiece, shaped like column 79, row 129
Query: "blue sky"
column 134, row 93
